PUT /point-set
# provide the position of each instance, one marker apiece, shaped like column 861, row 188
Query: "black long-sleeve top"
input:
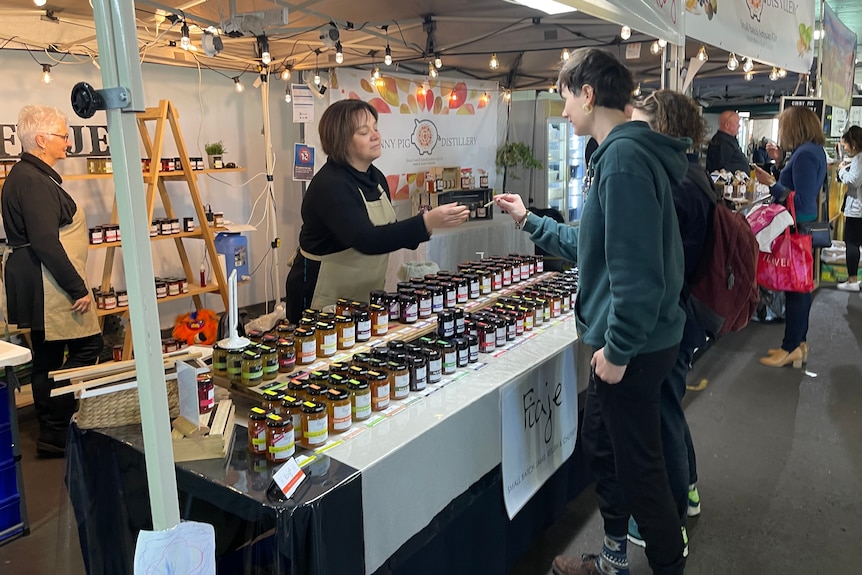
column 724, row 152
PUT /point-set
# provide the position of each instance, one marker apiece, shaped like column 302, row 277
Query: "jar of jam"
column 305, row 339
column 424, row 297
column 320, row 377
column 339, row 367
column 379, row 319
column 269, row 339
column 487, row 337
column 526, row 309
column 459, row 320
column 472, row 348
column 399, row 379
column 271, row 401
column 360, row 359
column 280, row 441
column 360, row 399
column 446, row 323
column 409, row 308
column 309, row 313
column 327, row 338
column 363, row 325
column 255, row 335
column 377, row 297
column 338, row 410
column 500, row 330
column 286, row 355
column 315, row 392
column 417, row 366
column 539, row 261
column 270, row 362
column 345, row 331
column 257, row 431
column 450, row 294
column 516, row 270
column 484, row 281
column 252, row 368
column 394, row 304
column 461, row 351
column 378, row 381
column 462, row 290
column 435, row 364
column 449, row 355
column 206, row 393
column 219, row 360
column 337, row 381
column 472, row 285
column 315, row 424
column 284, row 330
column 436, row 297
column 234, row 365
column 297, row 388
column 291, row 409
column 357, row 372
column 342, row 306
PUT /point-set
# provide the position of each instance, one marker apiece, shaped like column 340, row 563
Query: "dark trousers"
column 679, row 454
column 796, row 309
column 852, row 239
column 621, row 436
column 54, row 413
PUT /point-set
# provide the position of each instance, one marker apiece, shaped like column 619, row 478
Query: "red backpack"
column 723, row 293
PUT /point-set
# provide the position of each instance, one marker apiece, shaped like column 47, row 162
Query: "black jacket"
column 724, row 152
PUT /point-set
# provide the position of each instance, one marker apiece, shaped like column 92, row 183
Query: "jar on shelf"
column 363, row 325
column 409, row 308
column 345, row 332
column 436, row 297
column 418, row 365
column 378, row 381
column 337, row 381
column 399, row 379
column 252, row 368
column 297, row 388
column 449, row 355
column 206, row 393
column 357, row 372
column 461, row 351
column 234, row 365
column 255, row 335
column 379, row 319
column 424, row 298
column 257, row 431
column 450, row 294
column 269, row 355
column 339, row 410
column 315, row 424
column 315, row 392
column 435, row 364
column 271, row 400
column 360, row 399
column 462, row 290
column 280, row 440
column 394, row 304
column 291, row 409
column 305, row 342
column 472, row 348
column 445, row 323
column 342, row 306
column 286, row 355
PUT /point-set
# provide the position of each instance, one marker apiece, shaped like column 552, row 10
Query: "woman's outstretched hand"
column 446, row 216
column 513, row 204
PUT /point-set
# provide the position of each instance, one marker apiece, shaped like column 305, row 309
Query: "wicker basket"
column 119, row 408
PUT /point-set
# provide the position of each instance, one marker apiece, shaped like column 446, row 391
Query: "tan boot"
column 803, row 345
column 781, row 359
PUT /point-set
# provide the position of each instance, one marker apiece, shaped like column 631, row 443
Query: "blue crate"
column 6, row 444
column 8, row 480
column 10, row 514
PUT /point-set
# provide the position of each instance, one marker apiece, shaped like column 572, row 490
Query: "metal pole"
column 121, row 67
column 270, row 200
column 819, row 25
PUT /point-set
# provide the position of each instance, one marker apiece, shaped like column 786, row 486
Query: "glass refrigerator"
column 565, row 169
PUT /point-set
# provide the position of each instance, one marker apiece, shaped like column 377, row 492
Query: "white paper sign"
column 188, row 548
column 187, row 386
column 303, row 104
column 540, row 426
column 288, row 477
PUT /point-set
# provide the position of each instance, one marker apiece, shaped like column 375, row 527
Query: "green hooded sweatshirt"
column 627, row 246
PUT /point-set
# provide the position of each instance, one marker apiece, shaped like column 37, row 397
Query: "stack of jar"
column 267, row 355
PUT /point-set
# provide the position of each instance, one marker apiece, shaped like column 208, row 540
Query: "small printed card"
column 288, row 477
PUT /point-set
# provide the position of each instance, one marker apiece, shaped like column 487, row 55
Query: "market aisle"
column 779, row 458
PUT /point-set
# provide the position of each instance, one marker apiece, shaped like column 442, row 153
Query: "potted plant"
column 215, row 151
column 513, row 156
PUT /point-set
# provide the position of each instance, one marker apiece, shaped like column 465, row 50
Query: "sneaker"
column 693, row 502
column 568, row 565
column 848, row 286
column 634, row 536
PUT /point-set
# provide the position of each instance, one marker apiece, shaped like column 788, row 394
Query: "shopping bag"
column 790, row 265
column 820, row 232
column 768, row 222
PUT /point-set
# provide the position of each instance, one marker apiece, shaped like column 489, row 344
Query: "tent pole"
column 274, row 240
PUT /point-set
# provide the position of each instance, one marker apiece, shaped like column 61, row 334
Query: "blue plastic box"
column 10, row 514
column 6, row 444
column 8, row 480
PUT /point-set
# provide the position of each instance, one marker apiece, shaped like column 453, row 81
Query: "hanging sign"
column 776, row 32
column 540, row 427
column 816, row 105
column 303, row 104
column 303, row 163
column 839, row 61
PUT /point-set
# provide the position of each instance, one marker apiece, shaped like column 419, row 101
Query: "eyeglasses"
column 63, row 136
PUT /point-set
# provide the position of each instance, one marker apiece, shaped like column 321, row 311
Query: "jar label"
column 516, row 274
column 361, row 405
column 316, row 431
column 381, row 398
column 525, row 271
column 556, row 308
column 382, row 325
column 424, row 307
column 435, row 368
column 347, row 338
column 421, row 378
column 474, row 289
column 473, row 354
column 485, row 286
column 540, row 316
column 436, row 303
column 507, row 277
column 329, row 344
column 411, row 313
column 258, row 441
column 363, row 330
column 461, row 295
column 341, row 418
column 491, row 338
column 528, row 322
column 402, row 386
column 308, row 351
column 462, row 357
column 449, row 362
column 540, row 266
column 282, row 445
column 450, row 299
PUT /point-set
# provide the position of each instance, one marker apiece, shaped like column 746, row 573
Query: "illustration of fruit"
column 381, row 106
column 690, row 4
column 711, row 8
column 803, row 44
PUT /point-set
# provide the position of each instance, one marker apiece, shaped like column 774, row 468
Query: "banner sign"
column 540, row 427
column 839, row 61
column 659, row 18
column 427, row 124
column 776, row 32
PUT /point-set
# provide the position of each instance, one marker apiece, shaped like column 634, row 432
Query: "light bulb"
column 565, row 55
column 552, row 89
column 494, row 63
column 285, row 74
column 453, row 96
column 748, row 65
column 40, row 3
column 701, row 54
column 184, row 41
column 654, row 48
column 507, row 95
column 773, row 75
column 237, row 85
column 421, row 90
column 432, row 71
column 662, row 42
column 339, row 55
column 486, row 98
column 375, row 73
column 287, row 96
column 438, row 63
column 637, row 91
column 625, row 32
column 266, row 58
column 316, row 78
column 387, row 59
column 782, row 73
column 46, row 73
column 732, row 62
column 749, row 75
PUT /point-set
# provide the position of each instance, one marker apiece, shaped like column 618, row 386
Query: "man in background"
column 724, row 151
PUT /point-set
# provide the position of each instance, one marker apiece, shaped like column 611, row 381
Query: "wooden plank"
column 223, row 410
column 116, row 366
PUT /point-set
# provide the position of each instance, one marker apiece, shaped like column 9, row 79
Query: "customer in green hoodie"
column 630, row 259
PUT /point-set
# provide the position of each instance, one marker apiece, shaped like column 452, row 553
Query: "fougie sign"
column 540, row 425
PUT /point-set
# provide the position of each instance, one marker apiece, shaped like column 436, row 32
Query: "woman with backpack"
column 800, row 131
column 850, row 173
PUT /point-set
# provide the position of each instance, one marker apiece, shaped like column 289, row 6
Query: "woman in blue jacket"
column 800, row 132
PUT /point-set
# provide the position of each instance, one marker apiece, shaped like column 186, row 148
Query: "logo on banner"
column 709, row 6
column 424, row 137
column 755, row 9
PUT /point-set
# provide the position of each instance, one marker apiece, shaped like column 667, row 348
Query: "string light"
column 748, row 65
column 701, row 54
column 316, row 68
column 773, row 75
column 339, row 55
column 552, row 89
column 782, row 73
column 625, row 32
column 565, row 55
column 637, row 91
column 662, row 42
column 184, row 41
column 46, row 73
column 432, row 71
column 453, row 97
column 486, row 98
column 317, row 77
column 387, row 59
column 749, row 75
column 654, row 48
column 732, row 62
column 287, row 96
column 421, row 90
column 237, row 85
column 494, row 63
column 285, row 74
column 40, row 3
column 438, row 63
column 507, row 95
column 375, row 72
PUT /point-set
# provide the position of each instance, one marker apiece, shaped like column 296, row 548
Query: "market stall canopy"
column 464, row 35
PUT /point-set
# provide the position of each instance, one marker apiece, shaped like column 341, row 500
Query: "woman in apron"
column 348, row 224
column 44, row 272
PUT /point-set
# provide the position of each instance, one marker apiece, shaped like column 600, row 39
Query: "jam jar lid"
column 361, row 315
column 356, row 371
column 316, row 389
column 417, row 360
column 272, row 395
column 396, row 345
column 356, row 304
column 296, row 385
column 312, row 407
column 431, row 353
column 356, row 384
column 396, row 366
column 373, row 375
column 318, row 376
column 290, row 401
column 339, row 367
column 337, row 379
column 444, row 344
column 257, row 414
column 376, row 308
column 343, row 319
column 306, row 331
column 310, row 312
column 251, row 354
column 333, row 394
column 273, row 420
column 325, row 325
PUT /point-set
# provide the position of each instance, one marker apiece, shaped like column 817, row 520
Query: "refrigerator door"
column 556, row 174
column 577, row 171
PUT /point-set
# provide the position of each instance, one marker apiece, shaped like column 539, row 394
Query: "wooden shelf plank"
column 193, row 291
column 196, row 235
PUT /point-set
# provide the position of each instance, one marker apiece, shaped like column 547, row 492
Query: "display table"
column 449, row 247
column 385, row 492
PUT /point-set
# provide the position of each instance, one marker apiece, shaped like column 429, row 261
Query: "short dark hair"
column 611, row 81
column 337, row 125
column 673, row 114
column 853, row 136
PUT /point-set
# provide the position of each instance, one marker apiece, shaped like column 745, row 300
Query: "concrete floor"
column 779, row 461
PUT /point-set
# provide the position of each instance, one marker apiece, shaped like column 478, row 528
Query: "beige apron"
column 60, row 323
column 350, row 273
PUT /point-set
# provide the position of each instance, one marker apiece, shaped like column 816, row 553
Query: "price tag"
column 288, row 477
